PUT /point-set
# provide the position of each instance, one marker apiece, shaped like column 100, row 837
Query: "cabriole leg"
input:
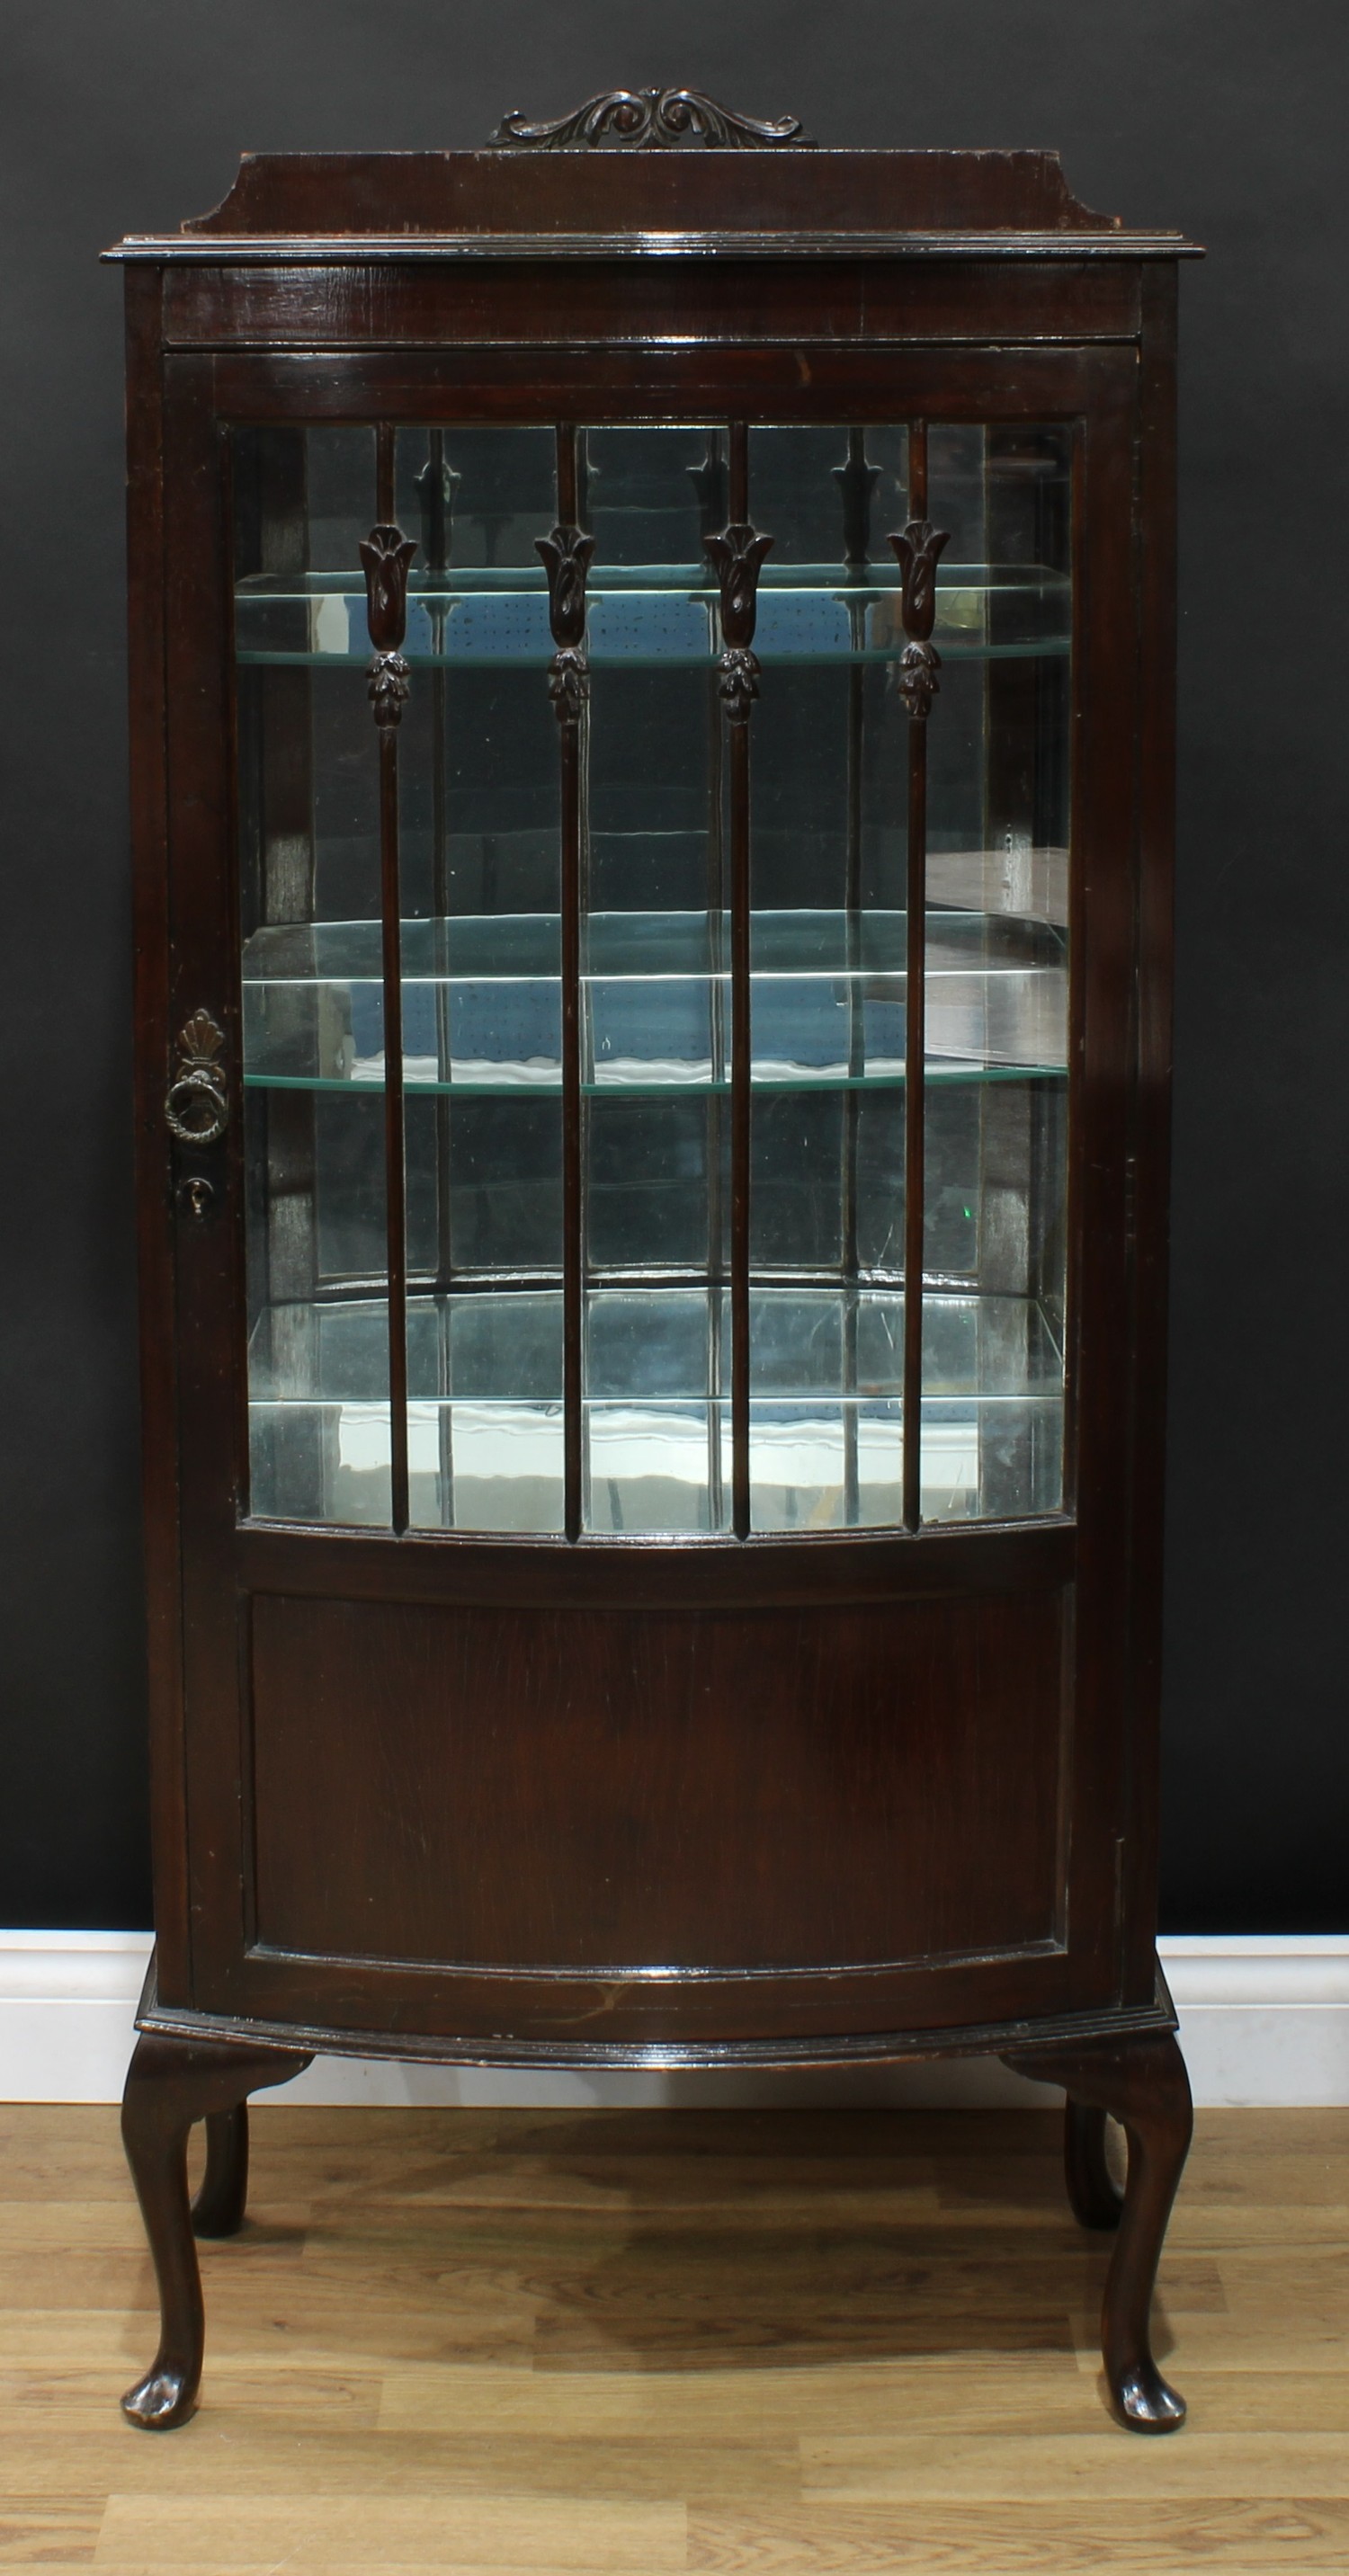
column 1096, row 2198
column 218, row 2209
column 1142, row 2082
column 170, row 2083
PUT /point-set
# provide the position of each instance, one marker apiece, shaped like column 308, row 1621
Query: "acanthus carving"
column 638, row 118
column 568, row 684
column 739, row 683
column 736, row 556
column 566, row 557
column 385, row 556
column 917, row 550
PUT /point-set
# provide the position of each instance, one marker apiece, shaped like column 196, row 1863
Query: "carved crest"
column 638, row 118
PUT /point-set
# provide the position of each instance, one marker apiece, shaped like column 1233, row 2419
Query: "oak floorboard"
column 479, row 2343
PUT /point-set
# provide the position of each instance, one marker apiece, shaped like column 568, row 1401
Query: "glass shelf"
column 482, row 1006
column 655, row 614
column 485, row 1408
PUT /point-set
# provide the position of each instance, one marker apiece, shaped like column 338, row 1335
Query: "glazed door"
column 645, row 1329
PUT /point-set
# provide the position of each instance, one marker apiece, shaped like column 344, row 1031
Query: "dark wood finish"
column 1096, row 2197
column 170, row 2083
column 277, row 2017
column 828, row 194
column 220, row 2203
column 1142, row 2082
column 930, row 1734
column 1149, row 1173
column 473, row 300
column 736, row 1800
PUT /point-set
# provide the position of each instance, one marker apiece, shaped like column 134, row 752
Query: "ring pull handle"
column 197, row 1107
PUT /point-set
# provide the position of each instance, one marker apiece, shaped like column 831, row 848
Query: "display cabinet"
column 652, row 736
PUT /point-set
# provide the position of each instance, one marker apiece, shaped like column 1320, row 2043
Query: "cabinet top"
column 591, row 186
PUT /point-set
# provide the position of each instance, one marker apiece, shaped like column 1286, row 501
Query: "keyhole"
column 196, row 1195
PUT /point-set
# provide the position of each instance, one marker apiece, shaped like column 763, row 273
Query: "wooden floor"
column 624, row 2343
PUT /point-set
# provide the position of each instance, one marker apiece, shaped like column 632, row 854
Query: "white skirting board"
column 1264, row 2020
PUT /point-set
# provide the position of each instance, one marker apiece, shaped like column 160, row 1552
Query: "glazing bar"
column 856, row 481
column 716, row 904
column 437, row 485
column 915, row 1050
column 709, row 481
column 388, row 609
column 395, row 1185
column 741, row 1057
column 570, row 757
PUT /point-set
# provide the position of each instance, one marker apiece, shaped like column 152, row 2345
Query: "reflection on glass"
column 998, row 828
column 482, row 1005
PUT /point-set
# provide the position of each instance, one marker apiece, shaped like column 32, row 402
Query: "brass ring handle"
column 196, row 1108
column 196, row 1105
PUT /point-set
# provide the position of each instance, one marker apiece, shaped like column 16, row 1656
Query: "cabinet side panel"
column 1152, row 1132
column 159, row 1445
column 586, row 1790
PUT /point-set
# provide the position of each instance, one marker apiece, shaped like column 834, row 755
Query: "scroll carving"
column 196, row 1108
column 736, row 556
column 385, row 556
column 566, row 561
column 917, row 551
column 637, row 118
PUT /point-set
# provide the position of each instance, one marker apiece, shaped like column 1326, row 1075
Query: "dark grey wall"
column 1224, row 117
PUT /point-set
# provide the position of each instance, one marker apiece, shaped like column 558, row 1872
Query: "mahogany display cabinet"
column 652, row 715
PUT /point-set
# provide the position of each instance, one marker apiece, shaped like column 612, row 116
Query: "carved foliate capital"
column 566, row 557
column 385, row 556
column 736, row 555
column 917, row 549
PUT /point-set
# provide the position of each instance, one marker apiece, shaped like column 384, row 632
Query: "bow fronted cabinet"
column 652, row 708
